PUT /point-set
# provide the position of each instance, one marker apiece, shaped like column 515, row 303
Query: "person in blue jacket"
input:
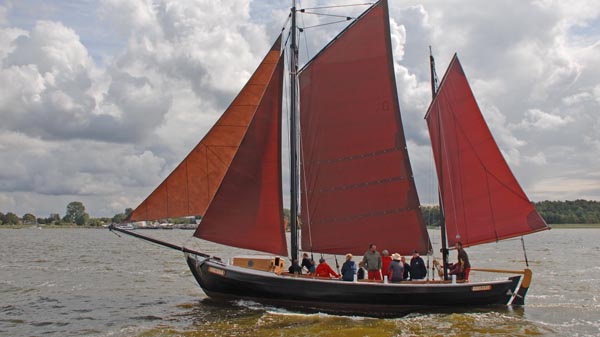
column 348, row 268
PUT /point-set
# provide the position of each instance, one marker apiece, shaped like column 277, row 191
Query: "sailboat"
column 351, row 182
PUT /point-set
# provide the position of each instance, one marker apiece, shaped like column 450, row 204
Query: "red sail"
column 357, row 184
column 189, row 189
column 482, row 200
column 247, row 210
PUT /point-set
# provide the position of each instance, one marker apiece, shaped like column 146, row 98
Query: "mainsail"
column 233, row 176
column 482, row 200
column 356, row 180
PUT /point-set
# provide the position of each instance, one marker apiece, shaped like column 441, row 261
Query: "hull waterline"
column 225, row 282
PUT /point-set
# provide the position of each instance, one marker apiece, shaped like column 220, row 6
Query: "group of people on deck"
column 379, row 265
column 394, row 267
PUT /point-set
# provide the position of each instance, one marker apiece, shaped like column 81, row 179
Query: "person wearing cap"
column 395, row 270
column 348, row 268
column 324, row 270
column 372, row 261
column 418, row 271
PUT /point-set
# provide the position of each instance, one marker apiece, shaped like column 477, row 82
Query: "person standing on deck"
column 463, row 267
column 406, row 268
column 348, row 269
column 418, row 271
column 360, row 274
column 386, row 259
column 372, row 261
column 395, row 270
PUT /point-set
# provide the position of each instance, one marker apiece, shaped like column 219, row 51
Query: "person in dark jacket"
column 295, row 268
column 308, row 263
column 406, row 268
column 418, row 271
column 360, row 274
column 462, row 267
column 348, row 269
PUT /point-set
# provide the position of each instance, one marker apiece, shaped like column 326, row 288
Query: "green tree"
column 76, row 213
column 118, row 218
column 29, row 218
column 11, row 219
column 82, row 219
column 1, row 218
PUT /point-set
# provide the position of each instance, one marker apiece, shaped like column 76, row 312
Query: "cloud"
column 541, row 120
column 100, row 110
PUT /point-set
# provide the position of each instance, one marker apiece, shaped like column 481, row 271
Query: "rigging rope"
column 331, row 15
column 308, row 221
column 524, row 252
column 305, row 39
column 339, row 6
column 323, row 24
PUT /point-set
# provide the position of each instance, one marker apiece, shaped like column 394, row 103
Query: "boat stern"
column 520, row 292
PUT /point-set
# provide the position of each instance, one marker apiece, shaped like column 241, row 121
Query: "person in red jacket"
column 386, row 259
column 324, row 270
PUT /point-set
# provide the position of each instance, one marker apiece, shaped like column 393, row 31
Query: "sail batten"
column 357, row 184
column 482, row 200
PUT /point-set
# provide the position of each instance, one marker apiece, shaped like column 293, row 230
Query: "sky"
column 101, row 99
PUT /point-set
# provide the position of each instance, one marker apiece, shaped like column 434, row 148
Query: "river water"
column 88, row 282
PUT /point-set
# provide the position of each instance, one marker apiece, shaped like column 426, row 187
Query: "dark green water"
column 84, row 282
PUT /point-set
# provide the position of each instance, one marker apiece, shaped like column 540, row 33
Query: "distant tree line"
column 569, row 212
column 554, row 212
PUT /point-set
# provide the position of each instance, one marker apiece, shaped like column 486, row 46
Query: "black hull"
column 226, row 282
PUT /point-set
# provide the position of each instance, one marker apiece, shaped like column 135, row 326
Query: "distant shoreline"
column 561, row 226
column 575, row 225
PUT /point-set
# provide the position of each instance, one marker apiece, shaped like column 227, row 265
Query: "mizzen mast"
column 434, row 84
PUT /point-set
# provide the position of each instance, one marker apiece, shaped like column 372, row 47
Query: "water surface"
column 87, row 282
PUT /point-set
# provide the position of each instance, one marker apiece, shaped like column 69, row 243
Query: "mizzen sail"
column 357, row 184
column 482, row 200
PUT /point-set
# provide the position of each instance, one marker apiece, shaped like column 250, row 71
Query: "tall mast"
column 293, row 138
column 434, row 83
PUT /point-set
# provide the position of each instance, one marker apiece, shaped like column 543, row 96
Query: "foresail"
column 357, row 184
column 189, row 189
column 482, row 200
column 247, row 209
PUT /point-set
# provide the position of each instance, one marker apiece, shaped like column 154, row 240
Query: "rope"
column 339, row 6
column 308, row 220
column 524, row 252
column 331, row 15
column 323, row 24
column 305, row 39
